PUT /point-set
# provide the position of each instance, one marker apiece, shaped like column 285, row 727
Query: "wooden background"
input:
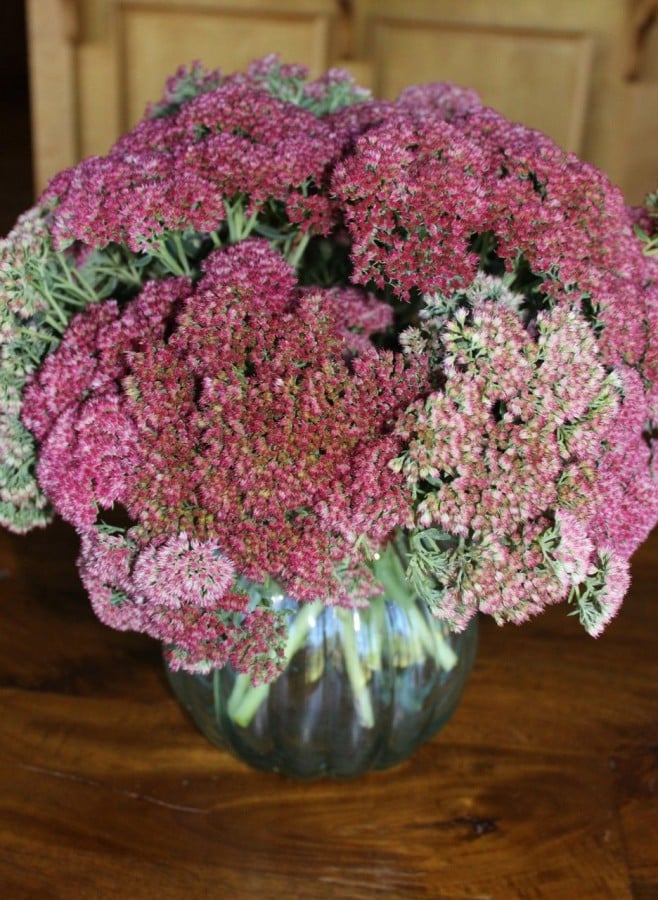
column 544, row 784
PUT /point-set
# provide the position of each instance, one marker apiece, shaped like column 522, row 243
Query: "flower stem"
column 389, row 571
column 355, row 669
column 295, row 256
column 246, row 698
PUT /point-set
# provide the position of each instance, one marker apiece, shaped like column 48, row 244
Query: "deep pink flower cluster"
column 411, row 319
column 420, row 187
column 232, row 411
column 438, row 100
column 412, row 198
column 74, row 408
column 263, row 432
column 358, row 315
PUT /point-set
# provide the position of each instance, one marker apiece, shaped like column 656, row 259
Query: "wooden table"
column 543, row 785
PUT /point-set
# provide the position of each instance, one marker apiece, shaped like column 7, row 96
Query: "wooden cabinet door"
column 96, row 63
column 552, row 65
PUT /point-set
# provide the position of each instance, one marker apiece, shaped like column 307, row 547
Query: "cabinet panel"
column 154, row 41
column 640, row 132
column 552, row 64
column 94, row 64
column 538, row 78
column 50, row 33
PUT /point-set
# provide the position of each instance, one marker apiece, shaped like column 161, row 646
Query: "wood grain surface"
column 543, row 785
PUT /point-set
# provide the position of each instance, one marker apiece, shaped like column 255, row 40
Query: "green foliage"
column 328, row 95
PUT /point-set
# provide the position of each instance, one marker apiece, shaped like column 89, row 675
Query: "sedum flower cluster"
column 283, row 332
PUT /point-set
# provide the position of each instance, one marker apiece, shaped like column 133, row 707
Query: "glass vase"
column 362, row 688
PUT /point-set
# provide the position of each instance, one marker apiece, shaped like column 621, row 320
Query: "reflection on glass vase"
column 362, row 688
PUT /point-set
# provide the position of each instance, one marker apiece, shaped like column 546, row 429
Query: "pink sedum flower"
column 311, row 323
column 105, row 564
column 182, row 570
column 575, row 553
column 616, row 584
column 85, row 457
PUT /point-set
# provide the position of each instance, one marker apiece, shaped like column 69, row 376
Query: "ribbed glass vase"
column 361, row 690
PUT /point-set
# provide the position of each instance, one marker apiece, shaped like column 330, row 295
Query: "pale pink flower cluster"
column 575, row 551
column 182, row 571
column 532, row 461
column 178, row 591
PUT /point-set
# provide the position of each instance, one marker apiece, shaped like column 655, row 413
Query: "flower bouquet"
column 287, row 341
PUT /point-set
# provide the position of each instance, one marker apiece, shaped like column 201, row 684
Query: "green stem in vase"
column 247, row 697
column 216, row 694
column 355, row 668
column 389, row 571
